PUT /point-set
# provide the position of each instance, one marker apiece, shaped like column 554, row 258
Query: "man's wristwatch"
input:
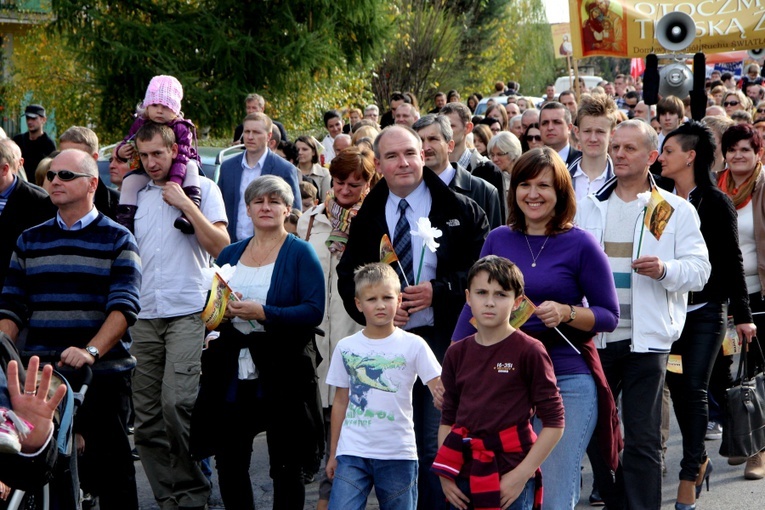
column 93, row 352
column 572, row 315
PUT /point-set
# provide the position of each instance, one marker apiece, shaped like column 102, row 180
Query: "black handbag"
column 744, row 427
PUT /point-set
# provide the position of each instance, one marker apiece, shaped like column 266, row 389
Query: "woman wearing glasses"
column 504, row 150
column 735, row 100
column 532, row 138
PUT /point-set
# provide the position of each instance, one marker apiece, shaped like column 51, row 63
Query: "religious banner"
column 561, row 35
column 625, row 28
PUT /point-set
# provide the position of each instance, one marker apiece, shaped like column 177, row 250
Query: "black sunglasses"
column 731, row 103
column 533, row 138
column 760, row 110
column 65, row 175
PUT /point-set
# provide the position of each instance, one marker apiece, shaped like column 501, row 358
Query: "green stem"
column 419, row 269
column 642, row 229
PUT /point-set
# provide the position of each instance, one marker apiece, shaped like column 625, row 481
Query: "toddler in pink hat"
column 162, row 105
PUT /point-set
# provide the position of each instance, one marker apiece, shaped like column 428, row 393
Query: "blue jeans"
column 561, row 472
column 395, row 483
column 524, row 501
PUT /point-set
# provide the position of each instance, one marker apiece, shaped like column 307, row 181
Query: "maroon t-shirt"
column 491, row 388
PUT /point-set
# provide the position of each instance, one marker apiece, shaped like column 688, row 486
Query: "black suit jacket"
column 573, row 155
column 28, row 205
column 106, row 200
column 464, row 228
column 481, row 191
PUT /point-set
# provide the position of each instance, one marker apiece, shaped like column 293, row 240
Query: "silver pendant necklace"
column 533, row 258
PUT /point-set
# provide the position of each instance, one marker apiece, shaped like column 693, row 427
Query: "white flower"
column 225, row 272
column 428, row 234
column 644, row 198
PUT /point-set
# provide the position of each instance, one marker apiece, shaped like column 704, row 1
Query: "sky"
column 557, row 11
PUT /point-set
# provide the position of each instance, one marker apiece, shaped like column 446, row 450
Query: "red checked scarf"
column 484, row 474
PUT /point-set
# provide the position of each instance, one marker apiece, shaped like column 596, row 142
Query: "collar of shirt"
column 81, row 223
column 256, row 166
column 9, row 189
column 563, row 153
column 464, row 160
column 447, row 176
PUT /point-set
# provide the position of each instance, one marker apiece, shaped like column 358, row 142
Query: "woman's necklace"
column 533, row 258
column 259, row 263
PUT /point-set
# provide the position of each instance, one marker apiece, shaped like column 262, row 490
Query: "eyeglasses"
column 499, row 154
column 533, row 138
column 65, row 175
column 630, row 106
column 731, row 103
column 760, row 110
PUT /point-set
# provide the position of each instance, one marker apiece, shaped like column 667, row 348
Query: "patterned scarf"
column 484, row 473
column 340, row 219
column 743, row 194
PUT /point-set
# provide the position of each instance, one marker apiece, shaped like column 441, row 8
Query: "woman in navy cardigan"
column 260, row 374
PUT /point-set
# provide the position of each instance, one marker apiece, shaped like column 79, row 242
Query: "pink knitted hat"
column 164, row 90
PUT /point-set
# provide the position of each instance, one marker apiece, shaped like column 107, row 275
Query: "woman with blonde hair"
column 735, row 100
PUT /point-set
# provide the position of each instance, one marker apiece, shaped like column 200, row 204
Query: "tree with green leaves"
column 220, row 50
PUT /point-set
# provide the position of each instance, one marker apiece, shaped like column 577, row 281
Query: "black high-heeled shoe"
column 704, row 476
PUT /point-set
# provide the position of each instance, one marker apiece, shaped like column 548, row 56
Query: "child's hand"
column 331, row 467
column 510, row 487
column 32, row 403
column 125, row 151
column 453, row 493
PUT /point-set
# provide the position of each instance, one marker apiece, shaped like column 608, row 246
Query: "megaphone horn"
column 675, row 31
column 756, row 54
column 675, row 80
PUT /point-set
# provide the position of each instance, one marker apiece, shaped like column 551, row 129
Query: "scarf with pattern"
column 743, row 194
column 340, row 219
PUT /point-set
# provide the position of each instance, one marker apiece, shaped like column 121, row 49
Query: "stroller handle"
column 84, row 374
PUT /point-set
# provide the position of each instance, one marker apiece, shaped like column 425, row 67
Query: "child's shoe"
column 12, row 430
column 181, row 223
column 126, row 216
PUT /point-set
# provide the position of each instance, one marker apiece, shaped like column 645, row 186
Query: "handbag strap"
column 742, row 362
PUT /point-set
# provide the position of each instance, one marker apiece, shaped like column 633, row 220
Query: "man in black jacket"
column 459, row 116
column 555, row 126
column 22, row 205
column 35, row 144
column 431, row 304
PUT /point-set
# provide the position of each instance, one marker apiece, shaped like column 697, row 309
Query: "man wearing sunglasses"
column 73, row 284
column 22, row 205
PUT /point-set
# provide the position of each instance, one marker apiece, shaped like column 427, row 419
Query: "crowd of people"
column 455, row 309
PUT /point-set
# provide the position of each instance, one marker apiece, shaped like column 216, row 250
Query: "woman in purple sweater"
column 564, row 267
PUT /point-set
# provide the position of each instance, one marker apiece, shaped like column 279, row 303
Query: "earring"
column 688, row 164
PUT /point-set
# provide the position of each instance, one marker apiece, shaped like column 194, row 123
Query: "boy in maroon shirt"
column 494, row 382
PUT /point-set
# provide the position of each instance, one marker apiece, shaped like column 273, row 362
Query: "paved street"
column 728, row 489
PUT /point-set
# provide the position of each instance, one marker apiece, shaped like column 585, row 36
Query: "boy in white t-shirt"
column 372, row 441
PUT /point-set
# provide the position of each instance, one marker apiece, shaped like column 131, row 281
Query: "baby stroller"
column 63, row 491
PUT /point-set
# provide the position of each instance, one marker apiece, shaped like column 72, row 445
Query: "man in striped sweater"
column 73, row 285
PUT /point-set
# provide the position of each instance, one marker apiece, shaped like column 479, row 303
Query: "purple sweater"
column 571, row 267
